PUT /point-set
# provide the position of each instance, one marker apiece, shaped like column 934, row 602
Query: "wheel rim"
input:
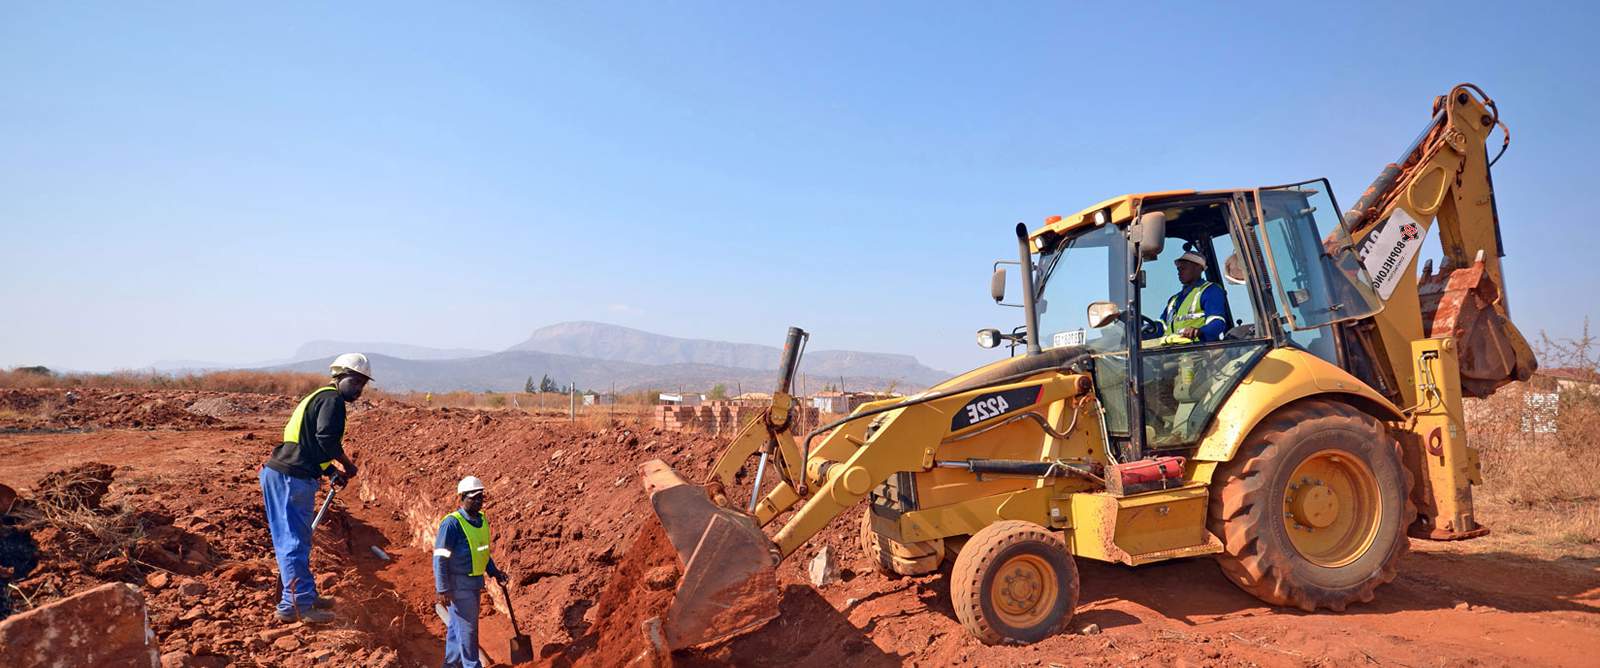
column 1024, row 591
column 1332, row 508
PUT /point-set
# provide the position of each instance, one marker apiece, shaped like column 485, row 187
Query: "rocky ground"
column 162, row 492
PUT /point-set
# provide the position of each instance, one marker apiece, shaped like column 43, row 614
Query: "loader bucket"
column 729, row 584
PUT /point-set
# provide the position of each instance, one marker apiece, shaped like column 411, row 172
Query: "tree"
column 547, row 385
column 529, row 386
column 718, row 392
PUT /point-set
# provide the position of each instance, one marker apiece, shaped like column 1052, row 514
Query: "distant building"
column 1541, row 405
column 597, row 399
column 834, row 401
column 682, row 399
column 1561, row 380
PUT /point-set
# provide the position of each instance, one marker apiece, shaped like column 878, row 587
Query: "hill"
column 603, row 341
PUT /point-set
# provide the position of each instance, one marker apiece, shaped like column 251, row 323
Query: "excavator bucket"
column 729, row 584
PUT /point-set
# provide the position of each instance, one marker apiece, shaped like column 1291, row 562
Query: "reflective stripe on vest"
column 1189, row 313
column 291, row 431
column 477, row 540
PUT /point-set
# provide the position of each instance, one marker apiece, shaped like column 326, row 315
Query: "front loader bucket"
column 729, row 584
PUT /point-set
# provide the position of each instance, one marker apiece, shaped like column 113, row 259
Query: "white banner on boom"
column 1388, row 250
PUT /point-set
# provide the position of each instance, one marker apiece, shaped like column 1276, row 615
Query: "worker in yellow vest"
column 312, row 441
column 460, row 560
column 1195, row 313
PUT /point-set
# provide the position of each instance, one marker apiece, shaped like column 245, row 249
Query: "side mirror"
column 997, row 285
column 989, row 338
column 1152, row 235
column 1102, row 314
column 1233, row 270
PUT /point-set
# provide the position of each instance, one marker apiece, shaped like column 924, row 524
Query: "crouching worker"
column 460, row 560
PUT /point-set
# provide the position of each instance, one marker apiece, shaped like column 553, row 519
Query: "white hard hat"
column 1194, row 257
column 351, row 362
column 469, row 484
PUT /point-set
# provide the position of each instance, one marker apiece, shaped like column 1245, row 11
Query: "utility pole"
column 572, row 411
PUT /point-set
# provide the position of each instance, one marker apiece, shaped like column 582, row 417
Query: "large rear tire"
column 892, row 557
column 1313, row 509
column 1014, row 581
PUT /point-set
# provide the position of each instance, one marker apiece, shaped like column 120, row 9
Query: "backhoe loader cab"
column 1252, row 414
column 1294, row 278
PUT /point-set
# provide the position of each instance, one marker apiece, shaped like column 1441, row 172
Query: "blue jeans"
column 461, row 634
column 290, row 502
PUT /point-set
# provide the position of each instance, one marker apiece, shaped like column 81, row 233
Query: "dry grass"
column 70, row 502
column 257, row 382
column 1542, row 485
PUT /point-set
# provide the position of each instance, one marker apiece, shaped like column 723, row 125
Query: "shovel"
column 521, row 645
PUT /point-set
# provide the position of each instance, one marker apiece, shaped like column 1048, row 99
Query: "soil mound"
column 641, row 588
column 82, row 486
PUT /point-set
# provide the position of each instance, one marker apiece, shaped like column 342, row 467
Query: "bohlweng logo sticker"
column 1387, row 252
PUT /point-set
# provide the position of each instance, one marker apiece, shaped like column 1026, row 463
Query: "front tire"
column 1014, row 581
column 892, row 557
column 1313, row 509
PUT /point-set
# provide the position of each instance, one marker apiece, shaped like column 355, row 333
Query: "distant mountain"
column 315, row 349
column 509, row 371
column 197, row 366
column 603, row 341
column 322, row 348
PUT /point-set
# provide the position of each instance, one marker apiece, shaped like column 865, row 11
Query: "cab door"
column 1183, row 385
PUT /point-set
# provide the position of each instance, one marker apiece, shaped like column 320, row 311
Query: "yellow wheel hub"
column 1332, row 508
column 1024, row 591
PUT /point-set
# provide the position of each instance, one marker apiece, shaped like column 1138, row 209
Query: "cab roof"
column 1121, row 208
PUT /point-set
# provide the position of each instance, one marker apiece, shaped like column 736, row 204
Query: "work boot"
column 312, row 616
column 323, row 603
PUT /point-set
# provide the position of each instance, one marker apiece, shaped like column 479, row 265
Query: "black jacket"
column 321, row 439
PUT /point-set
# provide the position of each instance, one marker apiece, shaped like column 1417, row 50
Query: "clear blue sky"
column 222, row 181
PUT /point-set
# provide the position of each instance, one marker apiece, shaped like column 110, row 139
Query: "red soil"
column 565, row 500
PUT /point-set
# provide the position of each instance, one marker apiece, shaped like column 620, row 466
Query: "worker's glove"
column 501, row 578
column 443, row 598
column 337, row 480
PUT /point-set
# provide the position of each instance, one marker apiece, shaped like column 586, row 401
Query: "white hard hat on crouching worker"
column 1194, row 257
column 469, row 484
column 352, row 363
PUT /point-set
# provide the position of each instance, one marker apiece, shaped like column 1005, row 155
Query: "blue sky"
column 201, row 181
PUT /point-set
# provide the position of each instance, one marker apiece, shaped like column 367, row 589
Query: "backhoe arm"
column 1442, row 180
column 1445, row 335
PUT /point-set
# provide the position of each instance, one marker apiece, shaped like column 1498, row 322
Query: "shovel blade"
column 521, row 649
column 729, row 584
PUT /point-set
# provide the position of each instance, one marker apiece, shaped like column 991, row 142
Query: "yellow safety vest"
column 291, row 431
column 1185, row 315
column 477, row 540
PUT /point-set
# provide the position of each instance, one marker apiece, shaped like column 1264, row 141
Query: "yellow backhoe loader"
column 1299, row 448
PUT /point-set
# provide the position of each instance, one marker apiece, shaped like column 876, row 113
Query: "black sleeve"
column 330, row 425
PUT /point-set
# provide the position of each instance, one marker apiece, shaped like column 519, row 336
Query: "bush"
column 255, row 382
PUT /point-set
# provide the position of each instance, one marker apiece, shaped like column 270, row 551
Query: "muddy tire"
column 1313, row 509
column 892, row 557
column 1014, row 581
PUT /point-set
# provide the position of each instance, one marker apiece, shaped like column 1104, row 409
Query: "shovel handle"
column 511, row 610
column 324, row 510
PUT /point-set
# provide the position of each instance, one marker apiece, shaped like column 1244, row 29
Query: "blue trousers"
column 461, row 634
column 290, row 503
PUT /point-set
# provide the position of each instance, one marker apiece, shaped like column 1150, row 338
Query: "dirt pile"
column 92, row 408
column 566, row 504
column 564, row 498
column 640, row 588
column 196, row 541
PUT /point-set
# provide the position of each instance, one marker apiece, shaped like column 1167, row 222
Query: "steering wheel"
column 1148, row 328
